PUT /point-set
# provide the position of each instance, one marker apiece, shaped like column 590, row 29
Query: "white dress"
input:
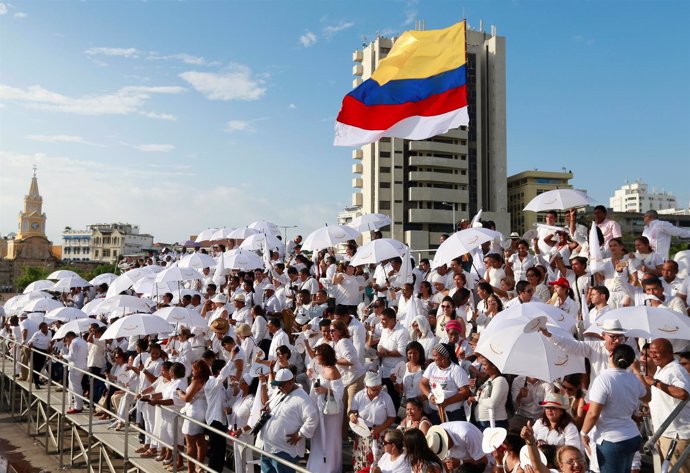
column 196, row 409
column 159, row 386
column 326, row 443
column 167, row 417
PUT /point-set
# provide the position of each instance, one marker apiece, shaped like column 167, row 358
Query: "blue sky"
column 178, row 116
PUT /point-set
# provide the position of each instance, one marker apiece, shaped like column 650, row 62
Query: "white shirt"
column 451, row 379
column 41, row 341
column 395, row 339
column 215, row 395
column 619, row 392
column 77, row 353
column 662, row 404
column 467, row 440
column 401, row 465
column 280, row 338
column 296, row 413
column 659, row 234
column 349, row 373
column 375, row 411
column 520, row 267
column 96, row 356
column 529, row 406
column 569, row 436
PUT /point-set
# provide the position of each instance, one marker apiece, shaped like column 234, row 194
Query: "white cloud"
column 122, row 52
column 20, row 15
column 60, row 139
column 330, row 30
column 580, row 39
column 159, row 116
column 155, row 148
column 237, row 83
column 186, row 58
column 292, row 106
column 307, row 39
column 3, row 9
column 124, row 101
column 239, row 125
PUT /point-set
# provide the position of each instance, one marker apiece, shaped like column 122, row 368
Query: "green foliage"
column 100, row 269
column 30, row 274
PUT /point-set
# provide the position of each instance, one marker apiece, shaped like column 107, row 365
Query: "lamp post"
column 452, row 205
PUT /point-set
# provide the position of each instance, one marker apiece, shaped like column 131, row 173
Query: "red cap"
column 563, row 282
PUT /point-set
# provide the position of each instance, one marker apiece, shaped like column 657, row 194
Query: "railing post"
column 88, row 448
column 61, row 418
column 684, row 455
column 175, row 444
column 50, row 385
column 14, row 377
column 31, row 384
column 4, row 373
column 125, row 455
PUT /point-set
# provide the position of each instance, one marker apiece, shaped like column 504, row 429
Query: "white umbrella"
column 37, row 317
column 516, row 346
column 379, row 250
column 124, row 311
column 558, row 199
column 243, row 260
column 460, row 243
column 242, row 233
column 93, row 307
column 129, row 302
column 329, row 236
column 197, row 260
column 149, row 288
column 221, row 234
column 259, row 241
column 532, row 310
column 205, row 235
column 265, row 227
column 126, row 280
column 38, row 285
column 106, row 278
column 15, row 304
column 176, row 274
column 61, row 273
column 154, row 268
column 369, row 222
column 65, row 314
column 65, row 284
column 647, row 322
column 181, row 316
column 42, row 305
column 137, row 324
column 76, row 326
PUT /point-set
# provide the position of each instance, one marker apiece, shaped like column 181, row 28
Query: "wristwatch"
column 655, row 382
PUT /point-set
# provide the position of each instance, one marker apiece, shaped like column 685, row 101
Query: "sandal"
column 141, row 450
column 149, row 454
column 167, row 461
column 160, row 458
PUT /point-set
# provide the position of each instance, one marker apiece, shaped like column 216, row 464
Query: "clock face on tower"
column 35, row 225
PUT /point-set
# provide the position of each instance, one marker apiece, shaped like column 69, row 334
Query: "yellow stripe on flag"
column 421, row 54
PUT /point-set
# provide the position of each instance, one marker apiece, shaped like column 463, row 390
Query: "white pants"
column 75, row 378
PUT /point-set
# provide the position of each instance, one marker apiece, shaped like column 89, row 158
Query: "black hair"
column 623, row 356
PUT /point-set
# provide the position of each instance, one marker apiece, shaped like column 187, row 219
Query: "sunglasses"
column 386, row 442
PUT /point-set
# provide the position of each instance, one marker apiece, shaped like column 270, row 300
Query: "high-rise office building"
column 525, row 186
column 428, row 186
column 635, row 197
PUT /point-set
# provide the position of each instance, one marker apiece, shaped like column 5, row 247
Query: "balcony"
column 430, row 216
column 357, row 199
column 357, row 154
column 431, row 146
column 438, row 177
column 357, row 70
column 357, row 168
column 431, row 194
column 358, row 55
column 356, row 82
column 437, row 162
column 357, row 182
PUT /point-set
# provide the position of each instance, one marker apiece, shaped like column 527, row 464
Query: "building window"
column 384, row 205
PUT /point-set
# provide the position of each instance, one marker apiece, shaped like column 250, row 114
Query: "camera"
column 262, row 421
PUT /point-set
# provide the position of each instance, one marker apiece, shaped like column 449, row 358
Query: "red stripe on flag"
column 381, row 117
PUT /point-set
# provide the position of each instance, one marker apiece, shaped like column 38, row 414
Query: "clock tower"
column 32, row 221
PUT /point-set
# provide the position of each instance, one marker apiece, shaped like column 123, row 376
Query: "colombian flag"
column 418, row 91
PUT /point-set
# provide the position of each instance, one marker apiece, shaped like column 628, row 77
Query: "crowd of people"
column 315, row 360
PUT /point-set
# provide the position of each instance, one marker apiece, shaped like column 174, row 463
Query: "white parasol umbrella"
column 205, row 235
column 460, row 243
column 106, row 278
column 42, row 305
column 532, row 310
column 242, row 233
column 197, row 260
column 148, row 287
column 369, row 222
column 129, row 302
column 647, row 322
column 379, row 250
column 93, row 307
column 38, row 285
column 558, row 199
column 37, row 317
column 15, row 304
column 221, row 234
column 265, row 227
column 176, row 274
column 329, row 236
column 65, row 284
column 243, row 260
column 137, row 324
column 516, row 346
column 61, row 274
column 65, row 314
column 76, row 326
column 181, row 316
column 127, row 280
column 259, row 241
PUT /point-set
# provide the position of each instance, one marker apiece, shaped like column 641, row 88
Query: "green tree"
column 28, row 275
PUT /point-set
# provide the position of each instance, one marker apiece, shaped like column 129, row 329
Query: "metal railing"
column 650, row 446
column 6, row 352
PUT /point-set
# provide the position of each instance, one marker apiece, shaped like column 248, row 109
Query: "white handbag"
column 331, row 405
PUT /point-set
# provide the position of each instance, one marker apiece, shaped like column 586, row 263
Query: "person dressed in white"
column 556, row 427
column 327, row 391
column 77, row 355
column 660, row 232
column 446, row 375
